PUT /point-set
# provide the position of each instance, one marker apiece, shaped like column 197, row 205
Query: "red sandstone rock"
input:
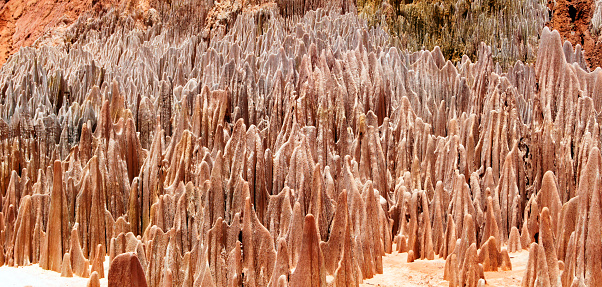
column 94, row 280
column 98, row 261
column 125, row 270
column 514, row 244
column 80, row 264
column 66, row 270
column 54, row 239
column 489, row 254
column 310, row 269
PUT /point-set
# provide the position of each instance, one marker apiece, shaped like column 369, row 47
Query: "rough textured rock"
column 489, row 255
column 79, row 263
column 277, row 150
column 94, row 280
column 66, row 270
column 54, row 237
column 125, row 270
column 579, row 23
column 310, row 270
column 98, row 261
column 514, row 244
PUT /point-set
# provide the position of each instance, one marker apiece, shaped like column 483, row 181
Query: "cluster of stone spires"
column 277, row 154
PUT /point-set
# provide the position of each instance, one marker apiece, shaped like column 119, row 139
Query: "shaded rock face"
column 279, row 152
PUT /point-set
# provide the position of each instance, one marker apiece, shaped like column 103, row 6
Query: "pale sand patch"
column 397, row 272
column 35, row 276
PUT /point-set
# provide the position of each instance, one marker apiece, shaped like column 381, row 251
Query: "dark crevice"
column 572, row 13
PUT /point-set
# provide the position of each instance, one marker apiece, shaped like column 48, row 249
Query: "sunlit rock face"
column 295, row 150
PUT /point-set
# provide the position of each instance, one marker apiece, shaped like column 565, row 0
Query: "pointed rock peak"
column 310, row 269
column 548, row 197
column 79, row 263
column 489, row 255
column 514, row 242
column 491, row 227
column 553, row 44
column 66, row 270
column 94, row 280
column 333, row 249
column 548, row 242
column 281, row 266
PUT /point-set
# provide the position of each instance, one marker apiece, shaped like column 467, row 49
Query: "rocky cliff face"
column 39, row 22
column 282, row 145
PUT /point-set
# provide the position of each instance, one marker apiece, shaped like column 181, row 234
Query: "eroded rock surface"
column 294, row 150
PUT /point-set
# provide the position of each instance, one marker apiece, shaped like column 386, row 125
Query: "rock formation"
column 291, row 143
column 125, row 270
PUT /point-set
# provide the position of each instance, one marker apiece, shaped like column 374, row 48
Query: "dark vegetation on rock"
column 510, row 27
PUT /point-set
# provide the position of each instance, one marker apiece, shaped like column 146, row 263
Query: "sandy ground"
column 397, row 272
column 35, row 276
